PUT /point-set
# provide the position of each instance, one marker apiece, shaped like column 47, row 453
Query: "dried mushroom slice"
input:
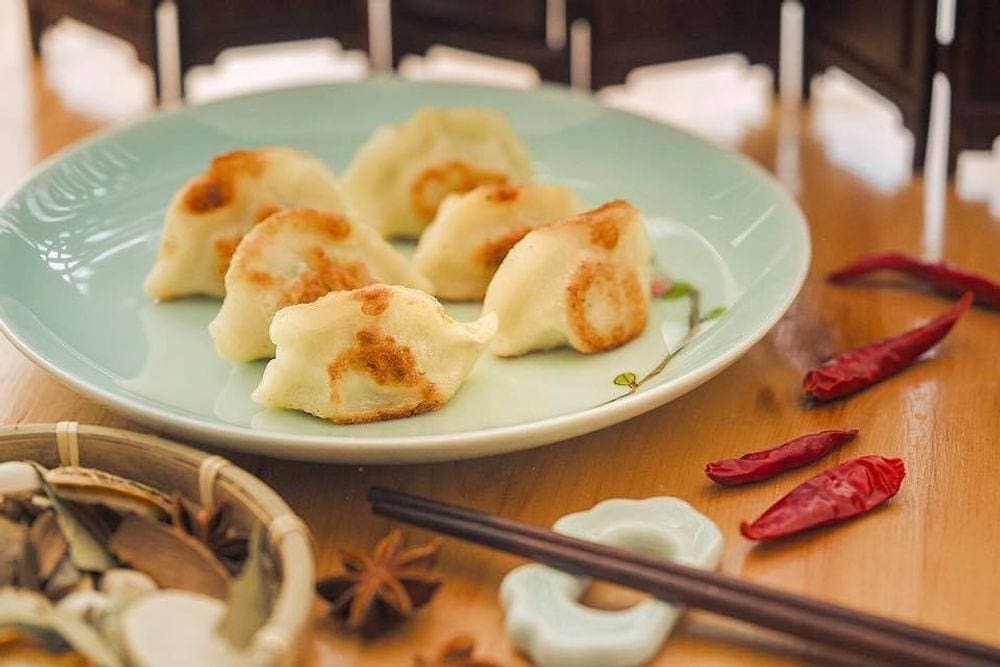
column 168, row 628
column 88, row 485
column 124, row 585
column 17, row 477
column 171, row 558
column 91, row 606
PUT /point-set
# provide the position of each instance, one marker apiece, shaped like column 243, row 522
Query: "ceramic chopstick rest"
column 544, row 617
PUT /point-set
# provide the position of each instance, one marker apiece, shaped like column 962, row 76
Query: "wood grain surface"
column 930, row 556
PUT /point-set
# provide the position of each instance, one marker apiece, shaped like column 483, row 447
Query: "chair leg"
column 154, row 58
column 37, row 23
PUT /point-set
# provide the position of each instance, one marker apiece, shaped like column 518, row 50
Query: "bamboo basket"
column 206, row 478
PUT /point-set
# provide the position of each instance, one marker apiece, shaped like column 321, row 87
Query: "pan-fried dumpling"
column 401, row 175
column 473, row 232
column 379, row 352
column 582, row 282
column 297, row 256
column 210, row 214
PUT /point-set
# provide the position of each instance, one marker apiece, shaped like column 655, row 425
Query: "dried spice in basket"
column 93, row 567
column 375, row 593
column 213, row 528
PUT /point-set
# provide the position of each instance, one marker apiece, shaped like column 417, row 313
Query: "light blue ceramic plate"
column 77, row 238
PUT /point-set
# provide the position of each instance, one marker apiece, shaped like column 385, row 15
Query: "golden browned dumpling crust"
column 297, row 256
column 210, row 214
column 582, row 282
column 378, row 352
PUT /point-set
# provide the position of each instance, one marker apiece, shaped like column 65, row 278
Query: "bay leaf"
column 171, row 558
column 250, row 596
column 86, row 551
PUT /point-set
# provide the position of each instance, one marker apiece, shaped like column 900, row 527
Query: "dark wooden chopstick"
column 818, row 621
column 378, row 494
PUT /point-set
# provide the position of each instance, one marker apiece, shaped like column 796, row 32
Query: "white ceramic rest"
column 544, row 617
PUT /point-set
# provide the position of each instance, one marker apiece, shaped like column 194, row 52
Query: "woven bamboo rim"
column 173, row 467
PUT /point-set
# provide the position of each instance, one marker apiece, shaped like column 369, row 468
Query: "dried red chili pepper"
column 942, row 276
column 796, row 453
column 836, row 494
column 854, row 370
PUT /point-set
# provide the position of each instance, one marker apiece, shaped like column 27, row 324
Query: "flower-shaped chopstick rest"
column 546, row 620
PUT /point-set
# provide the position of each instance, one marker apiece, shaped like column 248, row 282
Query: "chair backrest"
column 624, row 34
column 207, row 27
column 887, row 45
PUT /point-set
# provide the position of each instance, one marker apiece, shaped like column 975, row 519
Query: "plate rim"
column 421, row 448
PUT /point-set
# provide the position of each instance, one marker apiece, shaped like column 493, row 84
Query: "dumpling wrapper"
column 582, row 282
column 473, row 232
column 210, row 214
column 400, row 176
column 296, row 256
column 379, row 352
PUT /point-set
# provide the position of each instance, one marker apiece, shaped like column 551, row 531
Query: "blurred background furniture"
column 972, row 63
column 132, row 20
column 207, row 27
column 887, row 44
column 890, row 46
column 624, row 34
column 515, row 29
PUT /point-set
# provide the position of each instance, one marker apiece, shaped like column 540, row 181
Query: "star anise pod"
column 213, row 527
column 373, row 594
column 456, row 652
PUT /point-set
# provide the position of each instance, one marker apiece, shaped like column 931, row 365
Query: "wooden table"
column 930, row 557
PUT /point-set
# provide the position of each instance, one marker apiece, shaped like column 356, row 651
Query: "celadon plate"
column 80, row 234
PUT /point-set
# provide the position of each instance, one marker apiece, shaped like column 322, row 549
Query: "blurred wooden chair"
column 887, row 45
column 624, row 34
column 515, row 29
column 207, row 27
column 890, row 46
column 972, row 63
column 132, row 20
